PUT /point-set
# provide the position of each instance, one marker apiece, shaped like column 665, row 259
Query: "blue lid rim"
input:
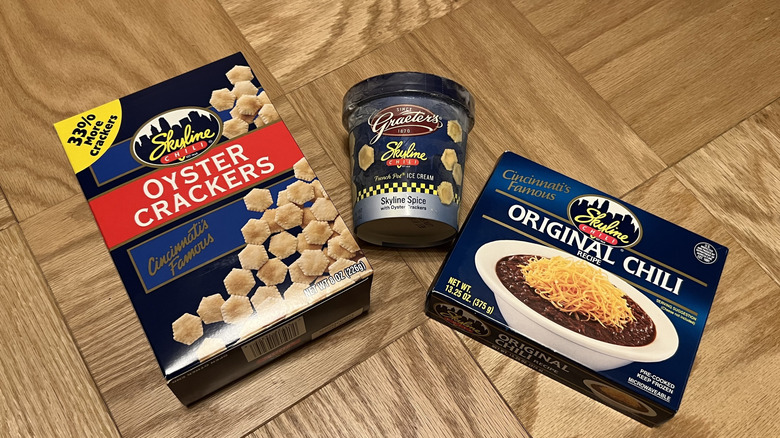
column 407, row 82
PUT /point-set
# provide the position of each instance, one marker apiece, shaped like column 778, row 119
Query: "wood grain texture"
column 6, row 215
column 45, row 389
column 736, row 176
column 301, row 40
column 739, row 346
column 680, row 73
column 424, row 384
column 116, row 351
column 545, row 112
column 60, row 61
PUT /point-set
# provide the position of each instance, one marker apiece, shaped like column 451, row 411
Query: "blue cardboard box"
column 580, row 286
column 230, row 249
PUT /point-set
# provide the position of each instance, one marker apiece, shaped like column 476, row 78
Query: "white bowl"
column 594, row 354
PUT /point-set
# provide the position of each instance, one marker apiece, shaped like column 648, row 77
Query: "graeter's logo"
column 606, row 220
column 403, row 121
column 176, row 136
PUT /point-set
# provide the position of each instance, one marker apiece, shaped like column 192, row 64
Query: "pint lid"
column 407, row 82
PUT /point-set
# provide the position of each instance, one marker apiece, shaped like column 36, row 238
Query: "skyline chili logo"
column 461, row 320
column 403, row 121
column 606, row 220
column 176, row 136
column 399, row 155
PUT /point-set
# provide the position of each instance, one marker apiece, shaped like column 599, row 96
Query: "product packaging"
column 230, row 249
column 580, row 286
column 407, row 139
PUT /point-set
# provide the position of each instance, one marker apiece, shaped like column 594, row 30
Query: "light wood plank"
column 60, row 61
column 680, row 73
column 736, row 176
column 45, row 389
column 545, row 111
column 570, row 25
column 533, row 103
column 101, row 317
column 300, row 40
column 6, row 215
column 729, row 393
column 424, row 384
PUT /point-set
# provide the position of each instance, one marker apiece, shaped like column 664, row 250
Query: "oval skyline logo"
column 403, row 121
column 461, row 320
column 176, row 136
column 605, row 219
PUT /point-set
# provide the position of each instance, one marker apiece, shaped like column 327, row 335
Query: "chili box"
column 580, row 286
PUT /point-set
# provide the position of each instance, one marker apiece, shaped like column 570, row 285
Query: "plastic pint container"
column 407, row 140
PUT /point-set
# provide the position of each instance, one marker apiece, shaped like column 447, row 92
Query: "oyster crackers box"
column 580, row 286
column 229, row 247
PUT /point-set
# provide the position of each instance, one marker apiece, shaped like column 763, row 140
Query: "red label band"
column 169, row 193
column 403, row 162
column 598, row 234
column 199, row 146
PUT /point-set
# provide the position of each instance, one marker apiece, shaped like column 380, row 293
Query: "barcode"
column 275, row 339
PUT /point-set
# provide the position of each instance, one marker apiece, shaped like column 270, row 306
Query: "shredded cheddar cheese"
column 576, row 287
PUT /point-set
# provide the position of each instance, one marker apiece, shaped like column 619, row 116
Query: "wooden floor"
column 671, row 105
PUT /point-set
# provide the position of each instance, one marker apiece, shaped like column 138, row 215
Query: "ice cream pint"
column 407, row 141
